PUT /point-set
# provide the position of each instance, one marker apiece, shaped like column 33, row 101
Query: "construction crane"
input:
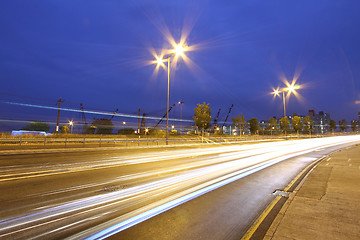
column 114, row 114
column 217, row 117
column 232, row 105
column 164, row 116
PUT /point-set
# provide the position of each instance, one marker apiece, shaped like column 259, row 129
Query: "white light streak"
column 201, row 171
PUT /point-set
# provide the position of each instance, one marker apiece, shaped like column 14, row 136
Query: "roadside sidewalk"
column 327, row 203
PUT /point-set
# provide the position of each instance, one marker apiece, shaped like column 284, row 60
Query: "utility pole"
column 83, row 119
column 58, row 117
column 139, row 123
column 181, row 103
column 143, row 124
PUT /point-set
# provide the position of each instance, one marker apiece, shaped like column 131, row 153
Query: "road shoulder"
column 326, row 204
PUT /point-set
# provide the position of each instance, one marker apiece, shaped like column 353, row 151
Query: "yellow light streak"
column 229, row 162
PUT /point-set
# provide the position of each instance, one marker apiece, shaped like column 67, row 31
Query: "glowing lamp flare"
column 179, row 50
column 291, row 87
column 159, row 61
column 276, row 92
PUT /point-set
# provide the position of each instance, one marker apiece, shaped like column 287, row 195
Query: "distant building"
column 321, row 121
column 311, row 113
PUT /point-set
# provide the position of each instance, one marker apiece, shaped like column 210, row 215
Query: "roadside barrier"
column 43, row 142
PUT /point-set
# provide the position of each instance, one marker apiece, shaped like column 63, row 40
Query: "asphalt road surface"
column 193, row 193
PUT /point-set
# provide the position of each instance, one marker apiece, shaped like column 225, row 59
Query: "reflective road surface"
column 97, row 194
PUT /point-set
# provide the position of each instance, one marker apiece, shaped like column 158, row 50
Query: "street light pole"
column 177, row 51
column 58, row 118
column 167, row 107
column 290, row 89
column 283, row 93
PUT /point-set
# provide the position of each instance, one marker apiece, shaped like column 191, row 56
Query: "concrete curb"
column 279, row 217
column 274, row 231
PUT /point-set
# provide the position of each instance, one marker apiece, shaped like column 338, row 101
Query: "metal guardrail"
column 19, row 143
column 94, row 142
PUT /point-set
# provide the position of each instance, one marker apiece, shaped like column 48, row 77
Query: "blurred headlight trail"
column 200, row 171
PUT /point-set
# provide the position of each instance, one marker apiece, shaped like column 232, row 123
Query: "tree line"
column 299, row 124
column 202, row 120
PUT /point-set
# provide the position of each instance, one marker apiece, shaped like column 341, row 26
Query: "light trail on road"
column 149, row 191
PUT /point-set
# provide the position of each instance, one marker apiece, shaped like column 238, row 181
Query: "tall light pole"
column 168, row 96
column 58, row 117
column 177, row 51
column 283, row 93
column 181, row 103
column 276, row 93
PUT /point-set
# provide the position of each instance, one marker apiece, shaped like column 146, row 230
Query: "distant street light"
column 178, row 51
column 71, row 124
column 124, row 124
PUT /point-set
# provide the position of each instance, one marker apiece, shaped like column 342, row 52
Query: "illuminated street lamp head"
column 179, row 50
column 159, row 61
column 276, row 92
column 71, row 123
column 291, row 87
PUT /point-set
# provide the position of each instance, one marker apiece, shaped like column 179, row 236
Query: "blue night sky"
column 97, row 53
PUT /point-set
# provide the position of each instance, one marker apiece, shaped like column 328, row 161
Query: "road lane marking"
column 260, row 219
column 268, row 209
